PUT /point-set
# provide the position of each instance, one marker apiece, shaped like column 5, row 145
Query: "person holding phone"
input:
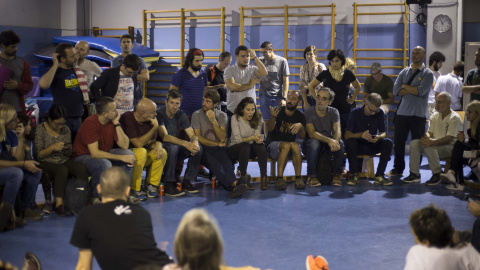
column 365, row 135
column 52, row 148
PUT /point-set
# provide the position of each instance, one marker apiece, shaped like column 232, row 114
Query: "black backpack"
column 76, row 196
column 324, row 168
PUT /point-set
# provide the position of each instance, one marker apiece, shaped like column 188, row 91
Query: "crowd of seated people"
column 122, row 129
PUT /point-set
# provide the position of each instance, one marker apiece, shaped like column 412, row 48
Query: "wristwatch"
column 117, row 125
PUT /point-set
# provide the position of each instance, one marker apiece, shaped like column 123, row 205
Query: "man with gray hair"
column 365, row 135
column 381, row 84
column 131, row 243
column 437, row 142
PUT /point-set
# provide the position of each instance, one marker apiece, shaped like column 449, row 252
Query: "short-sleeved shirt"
column 449, row 126
column 91, row 70
column 217, row 80
column 124, row 97
column 133, row 129
column 191, row 87
column 383, row 87
column 473, row 78
column 323, row 125
column 117, row 61
column 359, row 122
column 66, row 91
column 8, row 96
column 413, row 105
column 201, row 122
column 93, row 131
column 283, row 122
column 119, row 234
column 43, row 140
column 173, row 125
column 272, row 84
column 240, row 76
column 451, row 83
column 340, row 88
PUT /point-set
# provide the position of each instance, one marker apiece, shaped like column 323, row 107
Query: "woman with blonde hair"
column 308, row 72
column 455, row 174
column 198, row 243
column 15, row 171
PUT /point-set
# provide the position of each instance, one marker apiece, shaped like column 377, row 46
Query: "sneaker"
column 317, row 263
column 188, row 187
column 171, row 190
column 203, row 173
column 60, row 211
column 280, row 184
column 96, row 201
column 394, row 172
column 138, row 194
column 31, row 262
column 238, row 191
column 152, row 191
column 381, row 180
column 336, row 181
column 313, row 182
column 455, row 186
column 435, row 180
column 48, row 207
column 248, row 179
column 353, row 181
column 299, row 184
column 412, row 178
column 31, row 215
column 132, row 199
column 448, row 177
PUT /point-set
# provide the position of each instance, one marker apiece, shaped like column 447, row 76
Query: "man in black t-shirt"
column 283, row 126
column 216, row 80
column 119, row 234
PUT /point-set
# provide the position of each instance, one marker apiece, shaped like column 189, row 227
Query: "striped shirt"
column 191, row 89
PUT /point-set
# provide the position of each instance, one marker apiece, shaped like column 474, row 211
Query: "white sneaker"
column 448, row 177
column 455, row 186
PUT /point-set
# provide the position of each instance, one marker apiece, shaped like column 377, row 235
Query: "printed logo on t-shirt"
column 285, row 127
column 71, row 82
column 121, row 209
column 124, row 96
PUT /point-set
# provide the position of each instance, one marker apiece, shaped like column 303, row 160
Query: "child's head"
column 198, row 243
column 431, row 226
column 26, row 122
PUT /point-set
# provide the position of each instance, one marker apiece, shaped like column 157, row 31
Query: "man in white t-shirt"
column 89, row 68
column 432, row 231
column 119, row 83
column 452, row 83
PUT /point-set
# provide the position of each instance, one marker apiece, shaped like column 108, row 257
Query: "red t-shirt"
column 92, row 131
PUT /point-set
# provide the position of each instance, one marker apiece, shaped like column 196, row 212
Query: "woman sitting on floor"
column 455, row 174
column 246, row 140
column 52, row 148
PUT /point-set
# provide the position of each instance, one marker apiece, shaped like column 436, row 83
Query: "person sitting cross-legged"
column 365, row 135
column 210, row 126
column 283, row 126
column 141, row 127
column 437, row 142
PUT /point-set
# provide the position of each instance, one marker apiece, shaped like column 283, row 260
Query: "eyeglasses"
column 374, row 111
column 376, row 73
column 59, row 124
column 322, row 98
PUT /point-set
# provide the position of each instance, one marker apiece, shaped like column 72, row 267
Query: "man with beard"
column 283, row 126
column 191, row 81
column 20, row 81
column 435, row 62
column 127, row 44
column 365, row 135
column 413, row 85
column 241, row 79
column 216, row 79
column 324, row 132
column 68, row 84
column 210, row 126
column 472, row 81
column 273, row 90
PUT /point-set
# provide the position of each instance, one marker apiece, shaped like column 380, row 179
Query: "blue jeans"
column 177, row 153
column 216, row 159
column 96, row 166
column 12, row 177
column 265, row 103
column 312, row 150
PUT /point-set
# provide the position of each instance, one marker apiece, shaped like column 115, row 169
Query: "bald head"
column 114, row 183
column 418, row 54
column 145, row 110
column 83, row 48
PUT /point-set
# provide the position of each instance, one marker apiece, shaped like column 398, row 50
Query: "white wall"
column 30, row 13
column 123, row 13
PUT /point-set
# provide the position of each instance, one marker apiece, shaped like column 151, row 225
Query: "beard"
column 11, row 54
column 436, row 68
column 196, row 68
column 290, row 106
